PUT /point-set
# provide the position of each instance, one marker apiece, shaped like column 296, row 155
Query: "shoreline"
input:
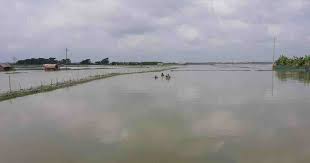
column 48, row 88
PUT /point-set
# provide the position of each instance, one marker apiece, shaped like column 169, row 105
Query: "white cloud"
column 78, row 12
column 297, row 4
column 19, row 6
column 216, row 42
column 274, row 29
column 222, row 7
column 234, row 24
column 139, row 42
column 188, row 33
column 165, row 21
column 14, row 47
column 167, row 27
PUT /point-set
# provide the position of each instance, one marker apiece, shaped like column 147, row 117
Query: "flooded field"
column 24, row 79
column 214, row 113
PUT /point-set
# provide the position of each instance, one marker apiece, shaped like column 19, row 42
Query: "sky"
column 154, row 30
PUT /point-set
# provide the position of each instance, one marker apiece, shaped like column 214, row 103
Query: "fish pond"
column 212, row 113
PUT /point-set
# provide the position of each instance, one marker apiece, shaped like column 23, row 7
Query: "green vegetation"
column 102, row 62
column 293, row 63
column 59, row 85
column 105, row 61
column 40, row 61
column 86, row 62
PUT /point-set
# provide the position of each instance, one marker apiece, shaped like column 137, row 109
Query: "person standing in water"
column 168, row 77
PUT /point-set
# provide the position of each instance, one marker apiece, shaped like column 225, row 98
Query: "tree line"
column 105, row 61
column 293, row 61
column 89, row 62
column 40, row 61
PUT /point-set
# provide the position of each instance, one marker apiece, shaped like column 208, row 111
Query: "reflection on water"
column 300, row 76
column 218, row 117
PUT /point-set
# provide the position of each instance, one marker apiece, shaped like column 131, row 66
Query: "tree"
column 283, row 60
column 307, row 60
column 103, row 62
column 37, row 61
column 85, row 62
column 293, row 61
column 65, row 61
column 52, row 60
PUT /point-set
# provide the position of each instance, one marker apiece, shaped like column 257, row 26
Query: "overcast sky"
column 164, row 30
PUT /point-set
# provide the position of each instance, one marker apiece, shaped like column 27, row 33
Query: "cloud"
column 274, row 29
column 139, row 42
column 227, row 7
column 235, row 24
column 188, row 33
column 171, row 30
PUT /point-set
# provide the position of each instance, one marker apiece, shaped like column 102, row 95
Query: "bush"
column 293, row 61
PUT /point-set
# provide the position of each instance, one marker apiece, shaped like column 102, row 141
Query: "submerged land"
column 283, row 64
column 198, row 116
column 72, row 82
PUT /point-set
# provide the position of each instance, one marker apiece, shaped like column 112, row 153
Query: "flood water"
column 25, row 79
column 202, row 114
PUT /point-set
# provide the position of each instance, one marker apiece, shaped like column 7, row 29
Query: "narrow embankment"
column 70, row 83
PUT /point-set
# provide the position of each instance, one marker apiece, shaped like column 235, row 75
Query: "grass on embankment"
column 70, row 83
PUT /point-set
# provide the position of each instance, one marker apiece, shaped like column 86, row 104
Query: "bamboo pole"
column 274, row 49
column 10, row 86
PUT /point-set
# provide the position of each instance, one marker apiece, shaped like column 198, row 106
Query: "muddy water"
column 24, row 79
column 196, row 116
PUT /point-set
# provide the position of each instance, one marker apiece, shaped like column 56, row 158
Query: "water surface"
column 197, row 116
column 25, row 79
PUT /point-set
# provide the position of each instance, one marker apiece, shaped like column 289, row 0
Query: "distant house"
column 6, row 67
column 51, row 67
